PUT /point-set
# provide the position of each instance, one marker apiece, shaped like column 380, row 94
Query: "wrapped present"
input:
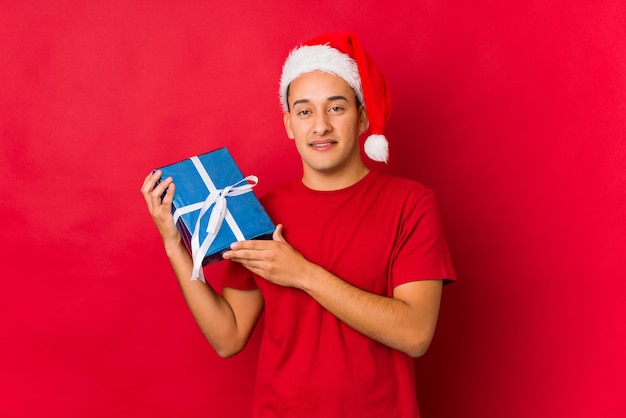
column 214, row 206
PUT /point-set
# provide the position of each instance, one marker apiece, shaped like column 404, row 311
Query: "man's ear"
column 364, row 122
column 287, row 123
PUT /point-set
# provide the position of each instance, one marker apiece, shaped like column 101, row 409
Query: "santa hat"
column 341, row 54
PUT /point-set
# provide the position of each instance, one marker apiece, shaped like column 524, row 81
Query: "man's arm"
column 405, row 321
column 226, row 320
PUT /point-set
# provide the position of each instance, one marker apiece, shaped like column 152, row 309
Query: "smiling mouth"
column 320, row 145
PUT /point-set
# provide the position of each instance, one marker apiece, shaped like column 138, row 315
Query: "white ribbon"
column 219, row 213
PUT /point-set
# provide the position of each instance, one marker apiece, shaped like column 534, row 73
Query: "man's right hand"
column 161, row 208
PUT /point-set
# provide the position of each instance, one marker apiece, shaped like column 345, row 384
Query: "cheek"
column 298, row 129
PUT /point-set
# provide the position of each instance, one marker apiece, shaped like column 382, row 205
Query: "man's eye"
column 336, row 109
column 303, row 112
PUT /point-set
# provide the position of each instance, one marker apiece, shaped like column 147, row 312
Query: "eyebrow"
column 330, row 99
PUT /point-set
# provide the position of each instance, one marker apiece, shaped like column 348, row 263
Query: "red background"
column 514, row 113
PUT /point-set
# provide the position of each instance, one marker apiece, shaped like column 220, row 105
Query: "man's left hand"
column 274, row 260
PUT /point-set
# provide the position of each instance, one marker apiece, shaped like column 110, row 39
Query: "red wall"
column 515, row 114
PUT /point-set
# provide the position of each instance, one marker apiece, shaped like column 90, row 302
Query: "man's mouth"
column 323, row 144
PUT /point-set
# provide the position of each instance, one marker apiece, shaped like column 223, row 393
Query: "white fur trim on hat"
column 306, row 59
column 377, row 148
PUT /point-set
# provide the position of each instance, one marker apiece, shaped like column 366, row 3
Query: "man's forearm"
column 212, row 312
column 405, row 322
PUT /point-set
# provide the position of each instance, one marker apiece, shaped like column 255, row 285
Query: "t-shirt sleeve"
column 238, row 277
column 421, row 251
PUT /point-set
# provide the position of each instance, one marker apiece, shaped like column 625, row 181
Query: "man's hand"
column 275, row 260
column 161, row 209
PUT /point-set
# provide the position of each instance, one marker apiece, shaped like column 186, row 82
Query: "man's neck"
column 324, row 181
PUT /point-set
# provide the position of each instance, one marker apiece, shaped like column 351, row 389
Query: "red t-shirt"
column 376, row 234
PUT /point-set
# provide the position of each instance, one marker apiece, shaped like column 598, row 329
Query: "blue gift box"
column 210, row 187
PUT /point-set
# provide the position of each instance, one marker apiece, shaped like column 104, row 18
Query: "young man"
column 351, row 282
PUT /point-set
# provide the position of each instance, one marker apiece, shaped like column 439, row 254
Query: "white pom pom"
column 377, row 148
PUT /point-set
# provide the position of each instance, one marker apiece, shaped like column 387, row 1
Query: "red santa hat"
column 341, row 54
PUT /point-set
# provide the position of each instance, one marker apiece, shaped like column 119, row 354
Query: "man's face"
column 325, row 122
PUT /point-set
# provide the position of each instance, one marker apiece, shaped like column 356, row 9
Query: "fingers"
column 149, row 182
column 162, row 200
column 278, row 234
column 253, row 244
column 260, row 244
column 159, row 196
column 238, row 252
column 162, row 190
column 159, row 199
column 248, row 250
column 258, row 262
column 148, row 186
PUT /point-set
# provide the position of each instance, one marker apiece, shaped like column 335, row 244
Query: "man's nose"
column 322, row 124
